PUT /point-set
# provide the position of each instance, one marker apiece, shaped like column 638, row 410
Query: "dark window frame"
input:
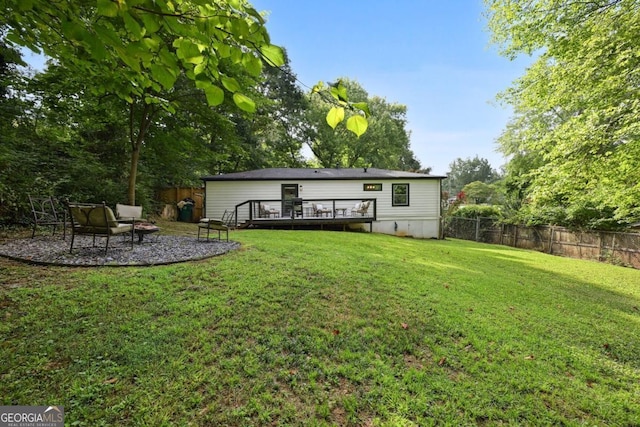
column 393, row 194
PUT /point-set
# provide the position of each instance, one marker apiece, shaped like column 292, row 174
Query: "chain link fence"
column 613, row 247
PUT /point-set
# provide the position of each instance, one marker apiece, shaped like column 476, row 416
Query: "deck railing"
column 349, row 210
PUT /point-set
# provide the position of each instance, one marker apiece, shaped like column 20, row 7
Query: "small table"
column 343, row 211
column 144, row 228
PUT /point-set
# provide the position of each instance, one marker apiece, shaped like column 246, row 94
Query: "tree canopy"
column 385, row 144
column 574, row 139
column 465, row 171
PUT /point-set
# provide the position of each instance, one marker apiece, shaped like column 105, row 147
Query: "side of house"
column 407, row 204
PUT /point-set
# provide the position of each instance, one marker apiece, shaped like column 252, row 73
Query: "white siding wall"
column 420, row 219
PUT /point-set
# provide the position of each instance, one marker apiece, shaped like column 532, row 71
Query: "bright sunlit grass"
column 327, row 328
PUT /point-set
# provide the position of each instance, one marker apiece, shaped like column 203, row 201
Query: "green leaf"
column 25, row 5
column 214, row 94
column 107, row 8
column 186, row 48
column 169, row 59
column 132, row 26
column 200, row 68
column 230, row 84
column 163, row 76
column 273, row 55
column 223, row 50
column 339, row 92
column 362, row 106
column 194, row 59
column 335, row 116
column 73, row 31
column 108, row 36
column 151, row 22
column 319, row 87
column 152, row 44
column 357, row 124
column 244, row 102
column 97, row 49
column 252, row 64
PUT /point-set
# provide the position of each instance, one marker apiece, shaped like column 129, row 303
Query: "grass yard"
column 327, row 328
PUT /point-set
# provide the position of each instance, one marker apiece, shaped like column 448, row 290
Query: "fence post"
column 551, row 239
column 477, row 229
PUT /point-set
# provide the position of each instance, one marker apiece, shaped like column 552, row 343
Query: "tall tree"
column 575, row 127
column 465, row 171
column 385, row 145
column 138, row 49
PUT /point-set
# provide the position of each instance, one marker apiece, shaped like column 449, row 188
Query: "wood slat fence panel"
column 613, row 247
column 171, row 196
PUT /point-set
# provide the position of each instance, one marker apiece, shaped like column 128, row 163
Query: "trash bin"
column 186, row 213
column 185, row 209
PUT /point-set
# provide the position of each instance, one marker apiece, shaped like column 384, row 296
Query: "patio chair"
column 96, row 220
column 128, row 213
column 45, row 214
column 361, row 208
column 266, row 211
column 212, row 224
column 319, row 210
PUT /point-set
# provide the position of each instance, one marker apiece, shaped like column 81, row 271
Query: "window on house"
column 400, row 194
column 372, row 187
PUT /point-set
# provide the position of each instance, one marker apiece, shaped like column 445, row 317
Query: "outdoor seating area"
column 97, row 220
column 266, row 211
column 302, row 213
column 87, row 223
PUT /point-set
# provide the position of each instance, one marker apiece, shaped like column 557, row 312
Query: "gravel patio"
column 157, row 250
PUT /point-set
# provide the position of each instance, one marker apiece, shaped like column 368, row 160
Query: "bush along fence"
column 612, row 247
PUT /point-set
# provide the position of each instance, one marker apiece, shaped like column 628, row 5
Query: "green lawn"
column 327, row 328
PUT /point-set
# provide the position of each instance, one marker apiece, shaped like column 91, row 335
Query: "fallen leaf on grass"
column 336, row 332
column 442, row 361
column 111, row 381
column 404, row 326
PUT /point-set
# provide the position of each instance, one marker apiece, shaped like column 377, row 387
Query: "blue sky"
column 432, row 56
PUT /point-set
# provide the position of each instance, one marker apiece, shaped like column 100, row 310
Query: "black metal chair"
column 45, row 213
column 212, row 224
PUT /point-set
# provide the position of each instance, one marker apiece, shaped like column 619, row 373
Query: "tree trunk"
column 136, row 145
column 133, row 174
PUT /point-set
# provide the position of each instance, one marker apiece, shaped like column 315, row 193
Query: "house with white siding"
column 383, row 201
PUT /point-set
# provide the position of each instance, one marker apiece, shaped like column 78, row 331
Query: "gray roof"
column 284, row 174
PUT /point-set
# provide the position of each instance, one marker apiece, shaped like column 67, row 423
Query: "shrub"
column 478, row 211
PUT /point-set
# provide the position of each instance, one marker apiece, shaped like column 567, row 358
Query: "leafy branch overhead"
column 358, row 122
column 150, row 43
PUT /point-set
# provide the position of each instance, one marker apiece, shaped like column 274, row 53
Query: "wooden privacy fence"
column 171, row 196
column 613, row 247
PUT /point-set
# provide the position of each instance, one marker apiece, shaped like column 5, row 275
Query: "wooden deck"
column 338, row 217
column 321, row 223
